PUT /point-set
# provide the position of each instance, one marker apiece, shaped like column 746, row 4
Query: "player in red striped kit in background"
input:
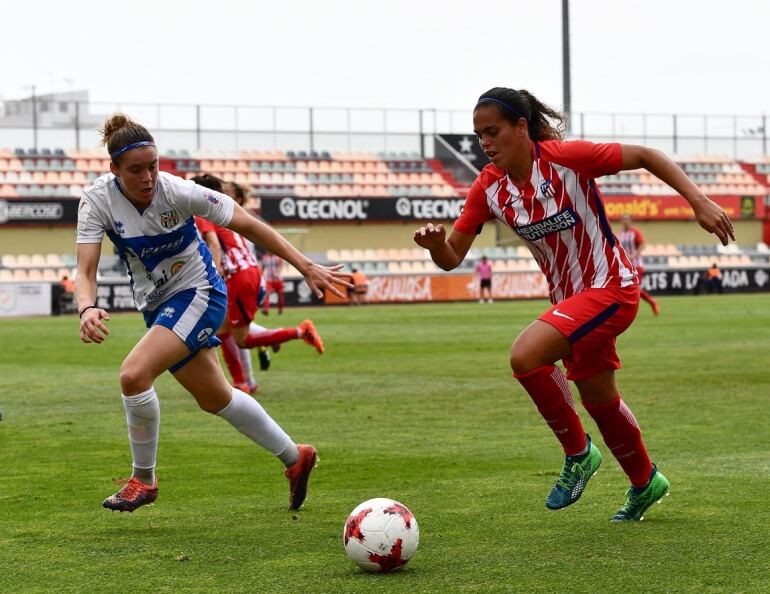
column 632, row 241
column 245, row 290
column 544, row 189
column 272, row 267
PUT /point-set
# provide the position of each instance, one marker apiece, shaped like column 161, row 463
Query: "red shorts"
column 276, row 286
column 244, row 292
column 590, row 321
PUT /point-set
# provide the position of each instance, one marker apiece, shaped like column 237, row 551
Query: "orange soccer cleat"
column 310, row 335
column 133, row 494
column 299, row 473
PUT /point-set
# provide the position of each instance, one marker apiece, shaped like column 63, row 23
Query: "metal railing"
column 378, row 130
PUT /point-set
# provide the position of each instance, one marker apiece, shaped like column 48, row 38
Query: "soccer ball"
column 381, row 535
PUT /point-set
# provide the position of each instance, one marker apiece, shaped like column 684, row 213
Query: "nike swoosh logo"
column 556, row 312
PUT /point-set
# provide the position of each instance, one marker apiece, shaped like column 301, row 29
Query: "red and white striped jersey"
column 559, row 213
column 631, row 240
column 272, row 266
column 236, row 252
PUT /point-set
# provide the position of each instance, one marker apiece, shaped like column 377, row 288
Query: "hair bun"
column 113, row 124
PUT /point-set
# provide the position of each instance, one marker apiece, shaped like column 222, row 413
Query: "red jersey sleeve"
column 475, row 211
column 205, row 226
column 589, row 158
column 638, row 237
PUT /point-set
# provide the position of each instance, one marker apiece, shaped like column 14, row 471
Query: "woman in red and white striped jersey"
column 543, row 188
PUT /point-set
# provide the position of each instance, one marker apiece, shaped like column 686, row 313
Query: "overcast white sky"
column 654, row 56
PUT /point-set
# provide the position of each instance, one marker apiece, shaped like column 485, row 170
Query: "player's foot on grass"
column 638, row 500
column 299, row 473
column 310, row 335
column 574, row 476
column 264, row 359
column 133, row 494
column 655, row 308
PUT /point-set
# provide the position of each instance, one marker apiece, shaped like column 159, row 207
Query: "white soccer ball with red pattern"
column 381, row 535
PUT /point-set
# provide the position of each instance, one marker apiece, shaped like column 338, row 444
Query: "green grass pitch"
column 416, row 403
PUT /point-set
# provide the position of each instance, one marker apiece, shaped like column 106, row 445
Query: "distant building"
column 54, row 110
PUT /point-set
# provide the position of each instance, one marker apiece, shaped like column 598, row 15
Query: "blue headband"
column 133, row 145
column 515, row 111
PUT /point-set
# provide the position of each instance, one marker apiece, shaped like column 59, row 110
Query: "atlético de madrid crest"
column 169, row 219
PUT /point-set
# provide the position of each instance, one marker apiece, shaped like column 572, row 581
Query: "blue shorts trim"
column 593, row 323
column 194, row 315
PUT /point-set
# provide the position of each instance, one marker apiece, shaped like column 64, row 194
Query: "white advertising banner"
column 25, row 299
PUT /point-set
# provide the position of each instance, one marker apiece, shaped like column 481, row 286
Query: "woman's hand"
column 430, row 237
column 92, row 329
column 320, row 277
column 713, row 219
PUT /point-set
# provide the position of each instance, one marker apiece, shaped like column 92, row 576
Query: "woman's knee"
column 522, row 360
column 134, row 379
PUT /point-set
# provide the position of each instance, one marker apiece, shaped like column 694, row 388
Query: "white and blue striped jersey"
column 160, row 246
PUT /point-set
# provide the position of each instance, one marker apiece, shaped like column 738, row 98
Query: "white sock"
column 256, row 327
column 247, row 416
column 143, row 419
column 248, row 369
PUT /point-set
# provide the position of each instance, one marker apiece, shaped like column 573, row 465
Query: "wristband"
column 84, row 310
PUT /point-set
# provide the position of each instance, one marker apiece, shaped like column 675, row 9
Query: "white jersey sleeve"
column 203, row 202
column 90, row 225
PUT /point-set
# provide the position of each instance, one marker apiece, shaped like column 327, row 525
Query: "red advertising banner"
column 413, row 288
column 676, row 207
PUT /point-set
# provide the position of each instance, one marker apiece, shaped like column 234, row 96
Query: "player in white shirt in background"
column 148, row 215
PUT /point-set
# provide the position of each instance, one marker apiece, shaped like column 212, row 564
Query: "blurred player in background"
column 272, row 267
column 544, row 189
column 632, row 241
column 148, row 215
column 245, row 290
column 484, row 273
column 357, row 294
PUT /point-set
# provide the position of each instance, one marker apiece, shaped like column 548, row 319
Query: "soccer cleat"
column 133, row 494
column 299, row 473
column 309, row 334
column 247, row 388
column 574, row 476
column 264, row 359
column 638, row 500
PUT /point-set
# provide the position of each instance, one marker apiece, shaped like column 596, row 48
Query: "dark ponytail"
column 514, row 105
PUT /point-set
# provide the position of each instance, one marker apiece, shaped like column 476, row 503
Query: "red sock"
column 281, row 301
column 257, row 338
column 548, row 388
column 648, row 298
column 621, row 433
column 232, row 358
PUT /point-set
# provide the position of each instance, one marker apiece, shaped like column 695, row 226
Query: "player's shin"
column 247, row 416
column 548, row 388
column 232, row 356
column 621, row 433
column 264, row 337
column 143, row 420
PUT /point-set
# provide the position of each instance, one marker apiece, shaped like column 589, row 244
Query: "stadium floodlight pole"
column 566, row 84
